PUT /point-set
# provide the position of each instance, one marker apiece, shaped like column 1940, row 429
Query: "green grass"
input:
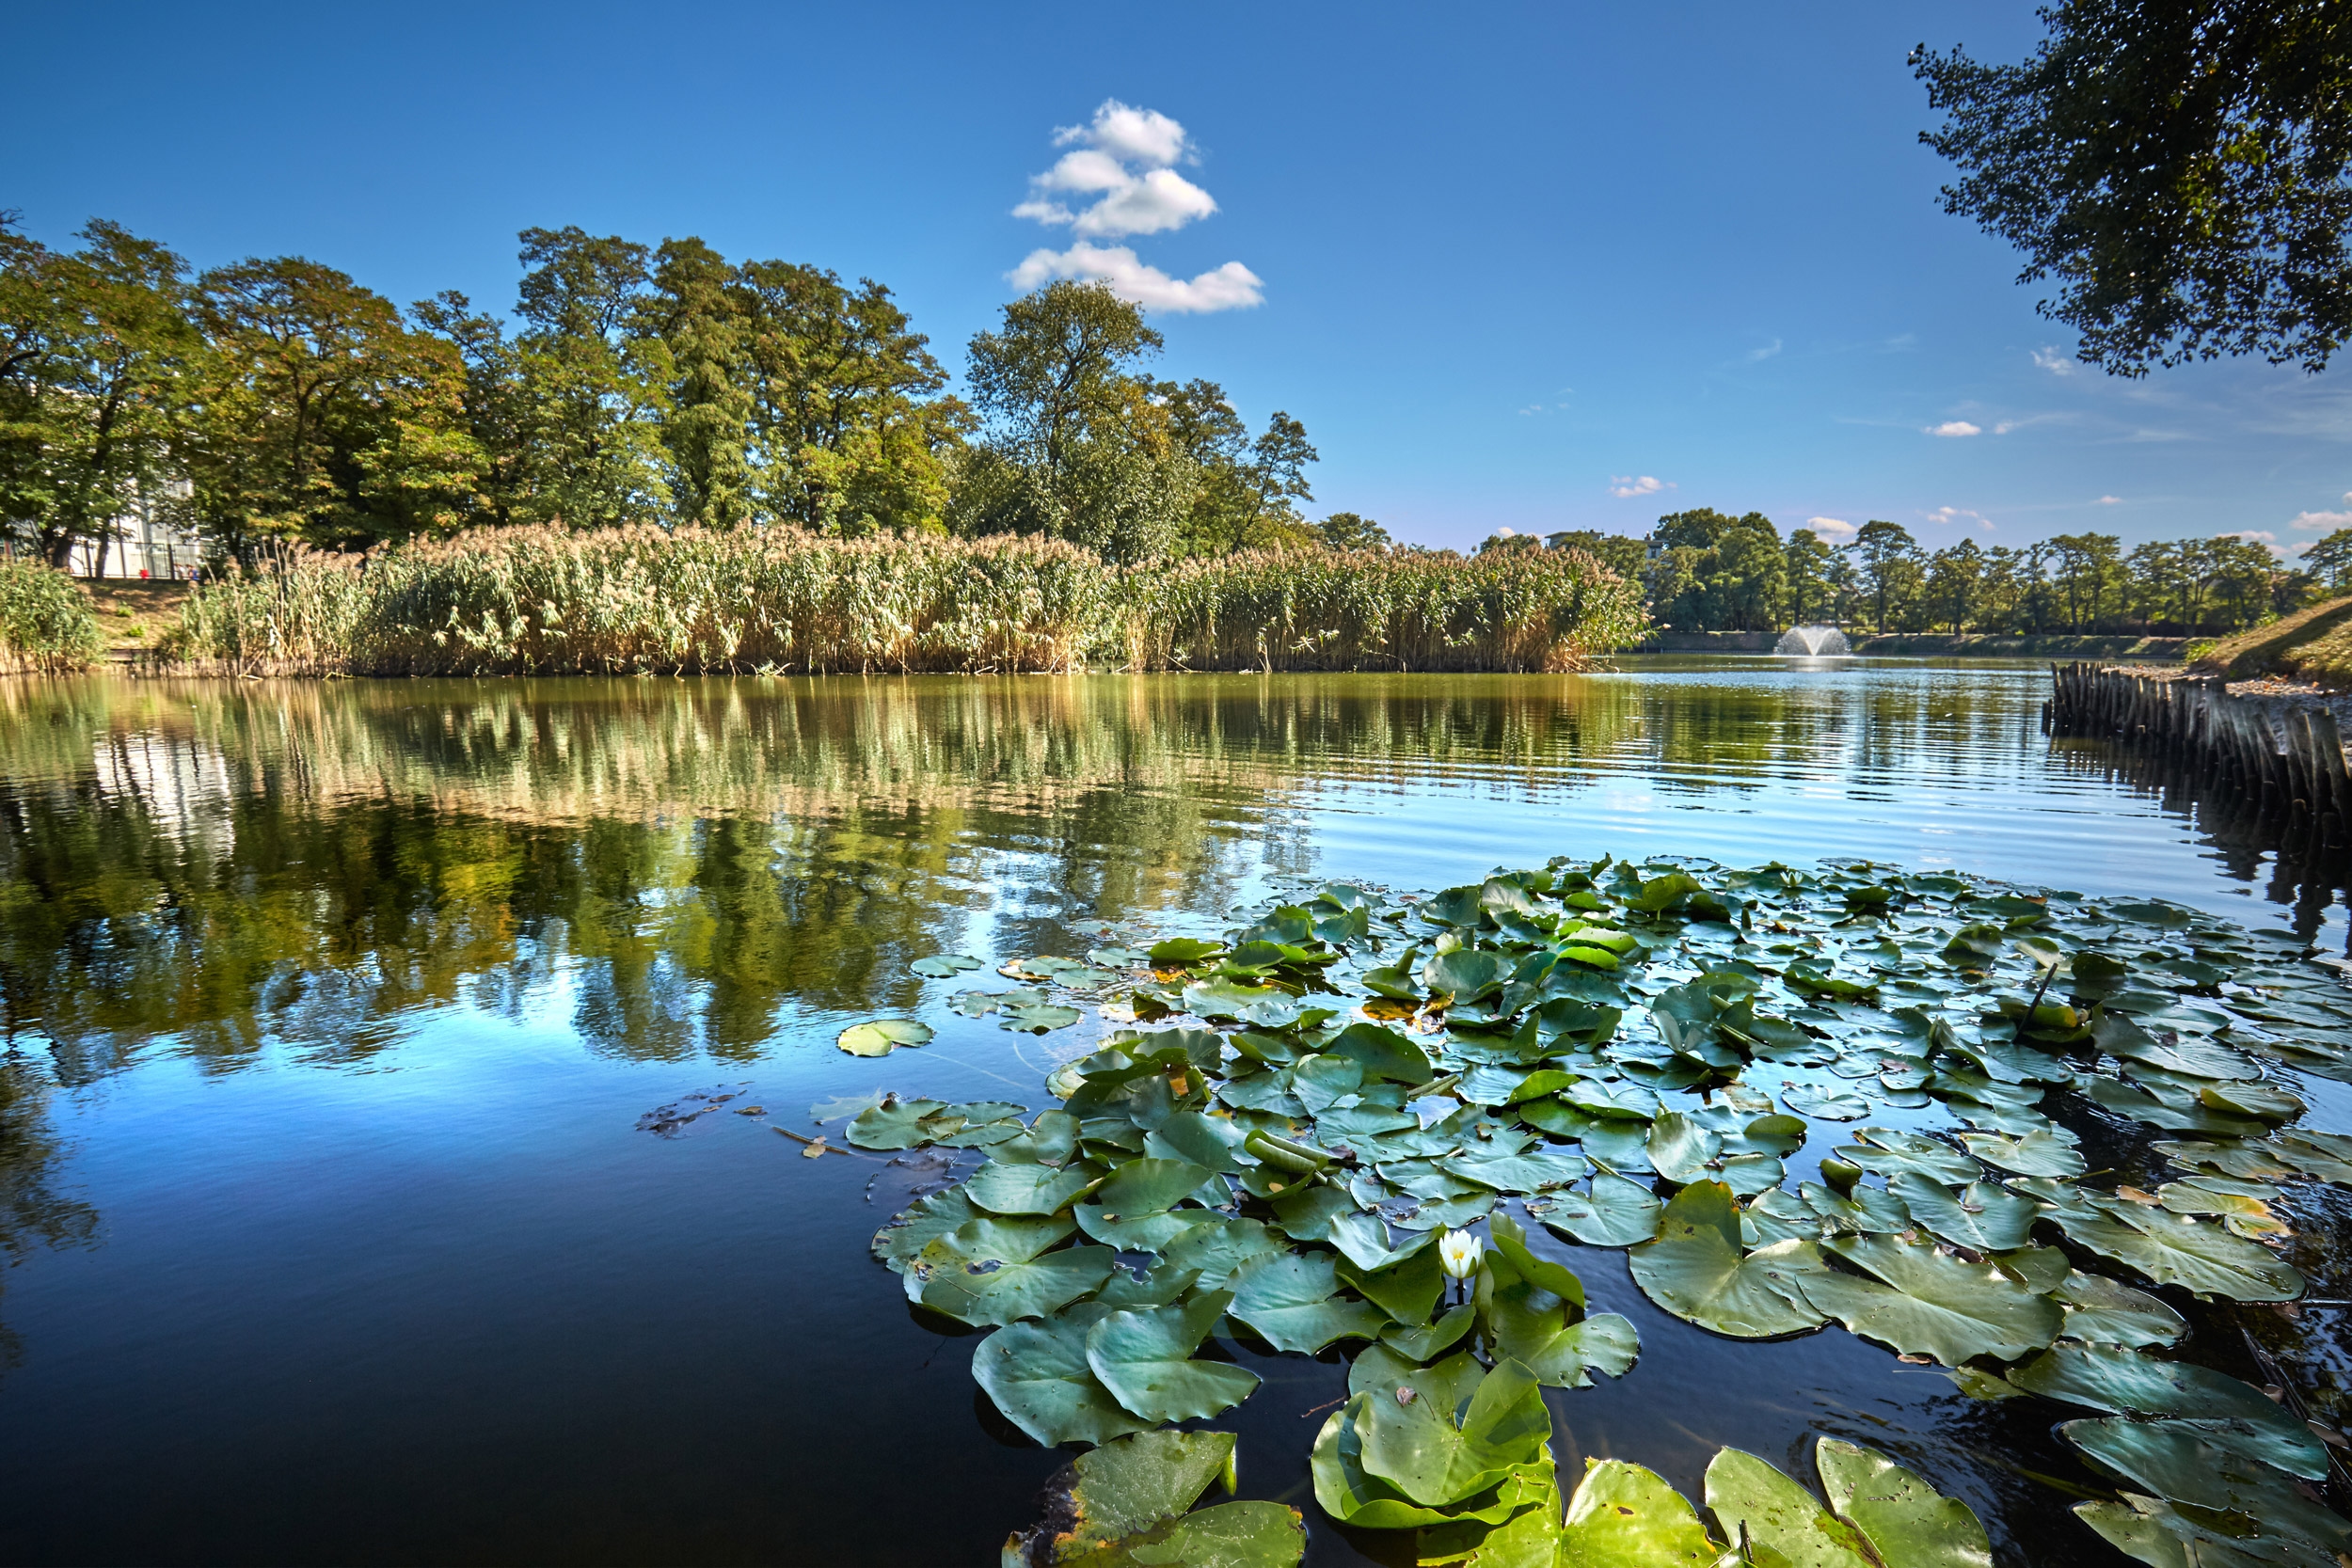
column 640, row 600
column 46, row 622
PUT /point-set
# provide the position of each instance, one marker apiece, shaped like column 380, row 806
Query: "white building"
column 151, row 539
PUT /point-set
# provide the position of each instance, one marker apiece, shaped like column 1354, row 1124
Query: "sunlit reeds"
column 46, row 621
column 639, row 600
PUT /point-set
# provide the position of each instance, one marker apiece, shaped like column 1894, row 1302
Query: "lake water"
column 332, row 1012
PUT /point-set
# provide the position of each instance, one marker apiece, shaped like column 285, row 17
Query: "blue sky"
column 1510, row 261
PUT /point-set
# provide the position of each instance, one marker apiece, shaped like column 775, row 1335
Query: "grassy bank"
column 45, row 619
column 2314, row 644
column 637, row 600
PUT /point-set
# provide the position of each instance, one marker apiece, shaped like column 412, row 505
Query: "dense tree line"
column 277, row 400
column 1708, row 571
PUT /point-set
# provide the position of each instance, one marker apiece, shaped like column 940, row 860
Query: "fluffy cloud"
column 1831, row 528
column 1118, row 180
column 1644, row 485
column 2321, row 522
column 1955, row 427
column 2110, row 501
column 2251, row 535
column 1756, row 355
column 2052, row 360
column 1959, row 514
column 1225, row 287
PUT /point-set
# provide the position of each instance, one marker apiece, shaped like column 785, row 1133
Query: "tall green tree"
column 1806, row 561
column 1621, row 553
column 1955, row 583
column 1710, row 571
column 95, row 348
column 1887, row 557
column 1347, row 530
column 2087, row 571
column 2179, row 168
column 1077, row 446
column 690, row 309
column 594, row 384
column 2330, row 559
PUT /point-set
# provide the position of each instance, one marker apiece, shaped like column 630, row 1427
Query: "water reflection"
column 346, row 998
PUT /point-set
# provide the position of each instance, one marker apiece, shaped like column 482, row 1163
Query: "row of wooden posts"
column 2282, row 758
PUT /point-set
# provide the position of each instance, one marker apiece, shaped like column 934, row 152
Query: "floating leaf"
column 1145, row 1359
column 1827, row 1104
column 1354, row 1496
column 989, row 1272
column 2174, row 1249
column 1522, row 1173
column 1679, row 1148
column 2180, row 1461
column 1131, row 1210
column 882, row 1036
column 940, row 966
column 1616, row 1213
column 1124, row 1504
column 1756, row 1503
column 2127, row 1383
column 1038, row 1018
column 905, row 1123
column 848, row 1105
column 2039, row 1152
column 1291, row 1300
column 923, row 1222
column 1980, row 1216
column 1405, row 1284
column 1465, row 1428
column 1889, row 1153
column 1625, row 1516
column 1181, row 952
column 2101, row 1311
column 1018, row 1189
column 1697, row 1271
column 1427, row 1344
column 1930, row 1303
column 1037, row 1374
column 1905, row 1520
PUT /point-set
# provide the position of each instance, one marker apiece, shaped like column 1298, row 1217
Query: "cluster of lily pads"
column 1634, row 1054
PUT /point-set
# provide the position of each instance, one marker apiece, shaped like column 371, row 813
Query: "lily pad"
column 1462, row 1430
column 2099, row 1310
column 882, row 1036
column 1905, row 1520
column 1625, row 1516
column 1354, row 1496
column 1290, row 1299
column 1037, row 1374
column 2180, row 1461
column 990, row 1272
column 1697, row 1271
column 1125, row 1504
column 1827, row 1104
column 2127, row 1383
column 1930, row 1303
column 1145, row 1359
column 1615, row 1212
column 1037, row 1018
column 940, row 966
column 2039, row 1152
column 1131, row 1210
column 1752, row 1500
column 1979, row 1216
column 2174, row 1249
column 1679, row 1148
column 1018, row 1189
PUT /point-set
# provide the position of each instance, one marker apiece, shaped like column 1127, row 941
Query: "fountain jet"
column 1813, row 643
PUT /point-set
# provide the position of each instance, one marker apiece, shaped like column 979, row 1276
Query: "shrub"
column 46, row 622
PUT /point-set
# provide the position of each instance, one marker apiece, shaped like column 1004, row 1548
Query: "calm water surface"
column 331, row 1011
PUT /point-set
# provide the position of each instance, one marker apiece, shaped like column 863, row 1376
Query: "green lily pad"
column 1697, row 1271
column 1750, row 1498
column 1615, row 1212
column 2180, row 1463
column 940, row 966
column 1406, row 1284
column 1625, row 1516
column 1930, row 1303
column 1427, row 1344
column 1125, row 1504
column 1467, row 974
column 1462, row 1430
column 2127, row 1382
column 1679, row 1148
column 1520, row 1173
column 1018, row 1189
column 923, row 1222
column 882, row 1036
column 905, row 1123
column 2099, row 1310
column 1217, row 1247
column 1827, row 1104
column 1905, row 1520
column 2039, row 1152
column 1355, row 1497
column 1383, row 1054
column 1291, row 1300
column 1891, row 1154
column 1038, row 1376
column 2174, row 1249
column 1980, row 1216
column 1130, row 1211
column 1144, row 1358
column 990, row 1272
column 1038, row 1018
column 1230, row 1535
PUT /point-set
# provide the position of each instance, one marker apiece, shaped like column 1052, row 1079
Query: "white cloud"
column 2252, row 535
column 1836, row 527
column 2052, row 360
column 1230, row 286
column 1769, row 349
column 1959, row 514
column 2321, row 522
column 1139, row 136
column 1627, row 484
column 2109, row 500
column 1955, row 427
column 1116, row 180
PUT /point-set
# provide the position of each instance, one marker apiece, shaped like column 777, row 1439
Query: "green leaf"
column 1213, row 1142
column 1696, row 1270
column 2039, row 1152
column 1467, row 974
column 2174, row 1249
column 1354, row 1496
column 1131, row 1210
column 905, row 1123
column 1221, row 998
column 1182, row 952
column 1230, row 1535
column 1460, row 1432
column 1290, row 1300
column 1933, row 1304
column 1407, row 1285
column 1427, row 1344
column 1013, row 1189
column 943, row 965
column 2127, row 1382
column 989, row 1272
column 1980, row 1216
column 1037, row 1374
column 2180, row 1461
column 1536, row 1333
column 1145, row 1359
column 1217, row 1247
column 1905, row 1518
column 1383, row 1054
column 1890, row 1153
column 923, row 1222
column 1305, row 1214
column 2099, row 1310
column 1121, row 1491
column 1616, row 1213
column 1038, row 1018
column 1679, row 1148
column 1520, row 1173
column 1778, row 1515
column 1625, row 1516
column 882, row 1036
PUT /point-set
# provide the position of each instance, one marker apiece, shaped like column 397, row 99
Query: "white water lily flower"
column 1460, row 1252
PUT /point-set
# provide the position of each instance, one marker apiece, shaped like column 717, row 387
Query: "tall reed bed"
column 46, row 622
column 647, row 601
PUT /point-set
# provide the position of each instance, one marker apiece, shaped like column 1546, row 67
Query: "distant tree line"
column 278, row 401
column 1709, row 571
